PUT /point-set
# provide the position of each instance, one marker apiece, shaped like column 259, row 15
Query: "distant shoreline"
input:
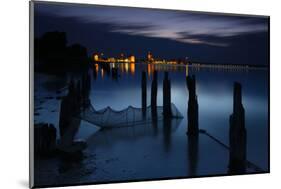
column 198, row 65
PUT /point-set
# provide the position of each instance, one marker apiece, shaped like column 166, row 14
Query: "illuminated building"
column 126, row 60
column 149, row 57
column 96, row 57
column 111, row 59
column 172, row 62
column 132, row 58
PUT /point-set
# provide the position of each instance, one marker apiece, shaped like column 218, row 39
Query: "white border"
column 14, row 99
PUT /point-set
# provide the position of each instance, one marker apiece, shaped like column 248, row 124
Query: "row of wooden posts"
column 237, row 130
column 167, row 111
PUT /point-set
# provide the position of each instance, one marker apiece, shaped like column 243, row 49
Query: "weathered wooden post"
column 70, row 105
column 143, row 93
column 44, row 139
column 71, row 88
column 85, row 90
column 237, row 134
column 192, row 112
column 95, row 73
column 193, row 127
column 154, row 95
column 78, row 95
column 167, row 112
column 66, row 107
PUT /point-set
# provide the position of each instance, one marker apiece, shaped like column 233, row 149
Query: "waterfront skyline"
column 168, row 34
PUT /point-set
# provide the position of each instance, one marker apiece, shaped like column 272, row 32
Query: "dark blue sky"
column 167, row 34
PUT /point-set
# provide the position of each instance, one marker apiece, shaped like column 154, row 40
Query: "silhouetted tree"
column 52, row 54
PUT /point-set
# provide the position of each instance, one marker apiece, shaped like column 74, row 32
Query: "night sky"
column 167, row 34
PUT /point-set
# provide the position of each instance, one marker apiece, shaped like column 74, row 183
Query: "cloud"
column 181, row 26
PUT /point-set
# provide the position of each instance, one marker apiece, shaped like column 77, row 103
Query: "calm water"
column 151, row 153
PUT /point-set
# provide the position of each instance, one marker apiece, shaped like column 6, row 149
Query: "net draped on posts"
column 131, row 116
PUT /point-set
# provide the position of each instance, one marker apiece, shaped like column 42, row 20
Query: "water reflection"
column 193, row 157
column 110, row 137
column 102, row 73
column 167, row 133
column 127, row 67
column 132, row 68
column 106, row 68
column 215, row 94
column 162, row 147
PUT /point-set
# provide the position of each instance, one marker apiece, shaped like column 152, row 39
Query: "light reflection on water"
column 145, row 153
column 214, row 90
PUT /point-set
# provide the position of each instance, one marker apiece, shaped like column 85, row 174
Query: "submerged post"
column 167, row 96
column 192, row 112
column 154, row 95
column 67, row 104
column 70, row 105
column 143, row 93
column 237, row 134
column 85, row 90
column 68, row 123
